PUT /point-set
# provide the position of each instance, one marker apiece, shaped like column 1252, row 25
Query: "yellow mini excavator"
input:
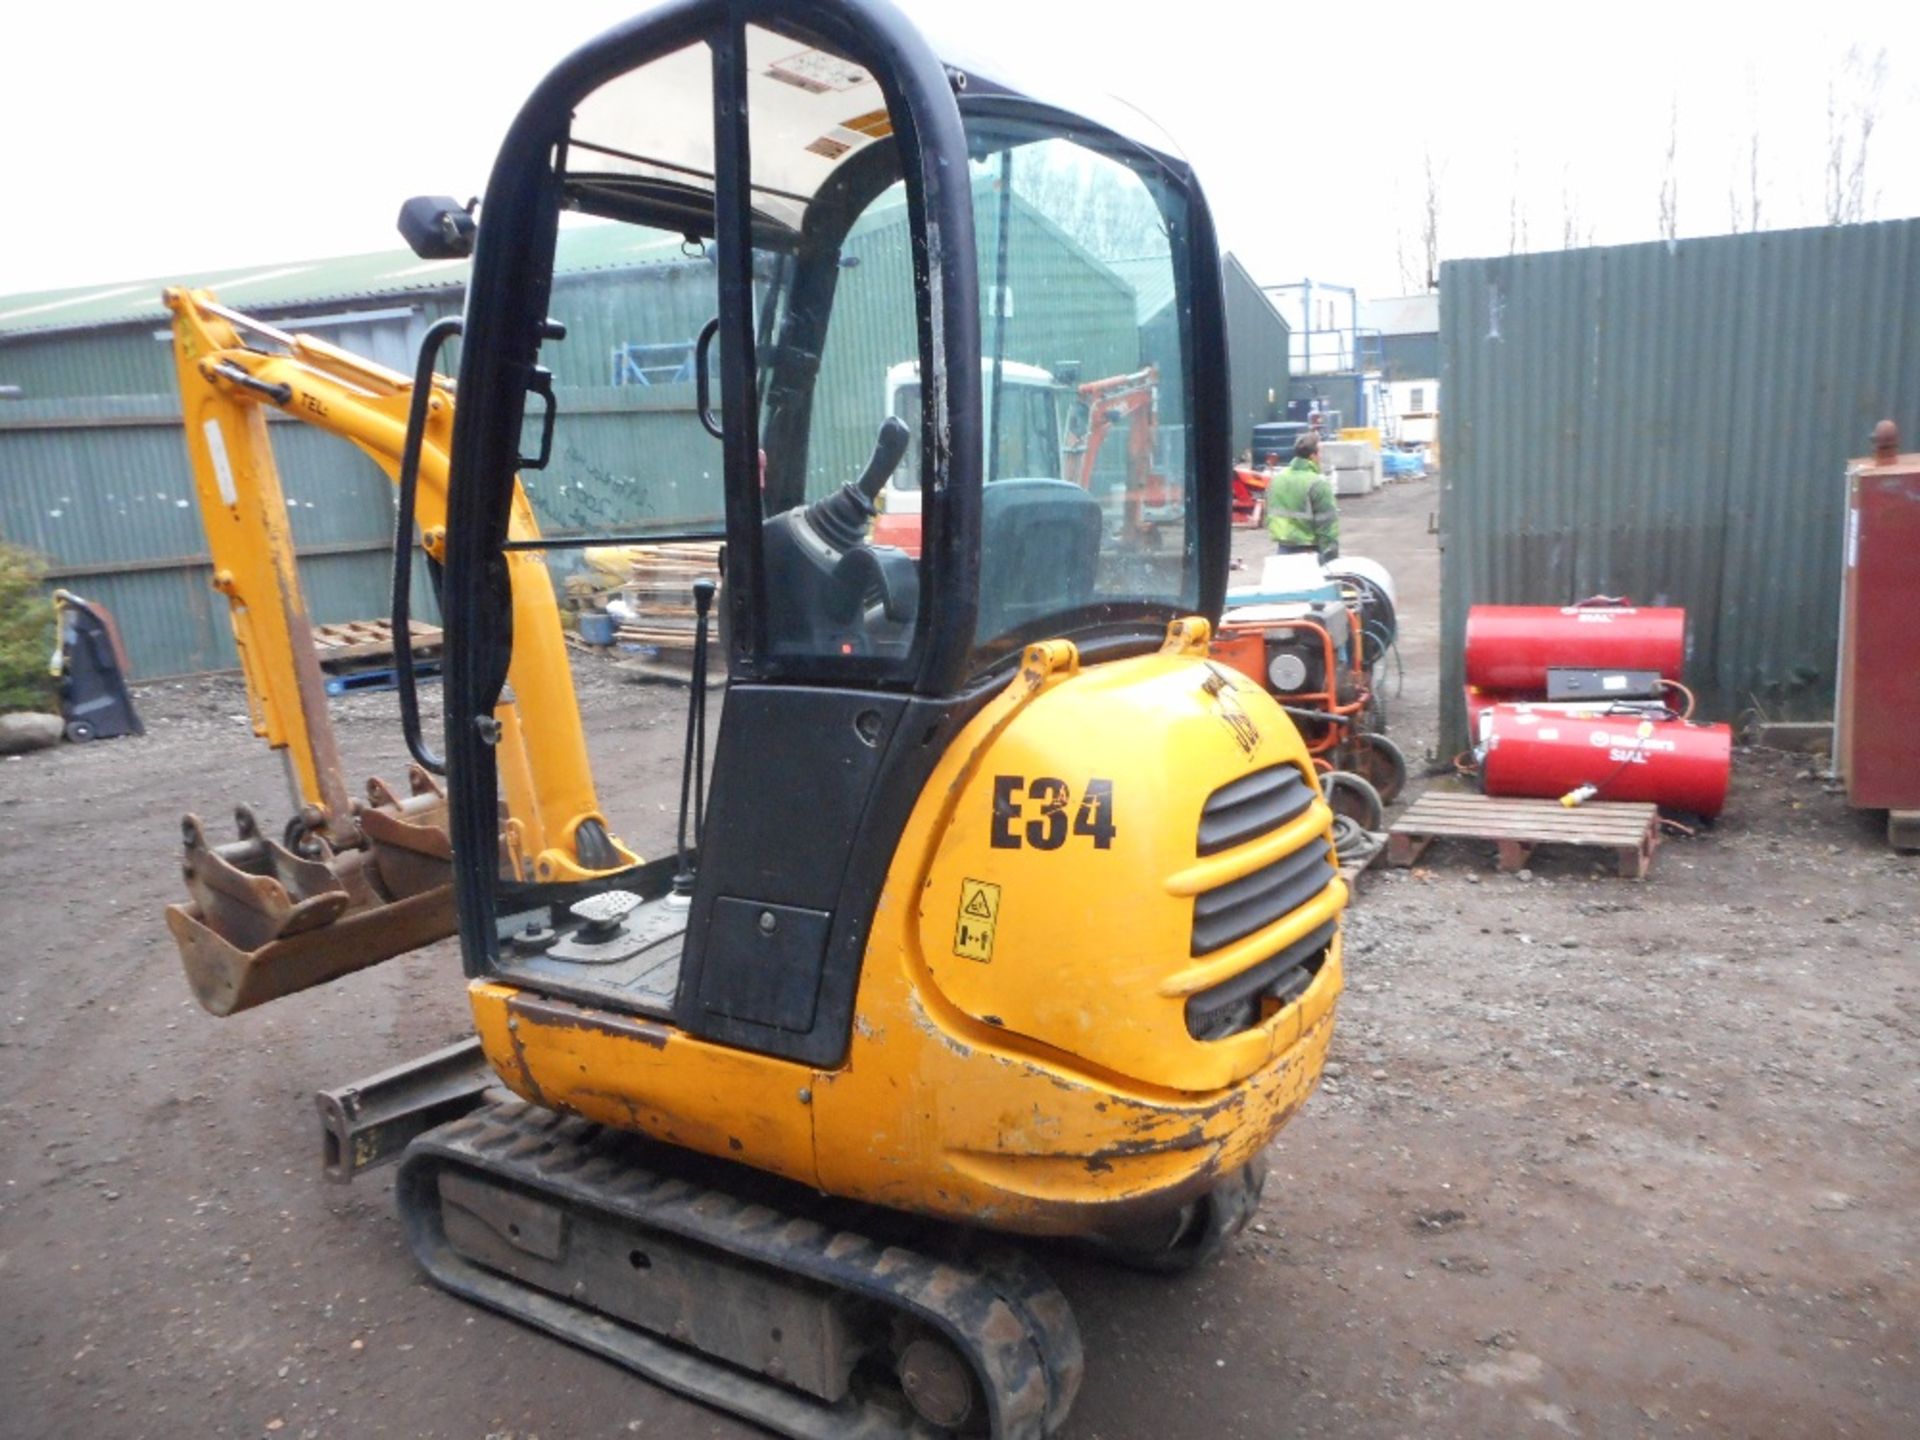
column 1005, row 908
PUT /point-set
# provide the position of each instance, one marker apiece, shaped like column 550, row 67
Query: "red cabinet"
column 1877, row 713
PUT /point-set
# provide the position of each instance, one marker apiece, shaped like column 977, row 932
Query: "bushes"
column 26, row 633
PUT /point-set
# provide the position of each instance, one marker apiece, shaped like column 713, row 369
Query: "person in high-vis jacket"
column 1301, row 515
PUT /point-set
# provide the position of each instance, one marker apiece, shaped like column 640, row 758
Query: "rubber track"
column 999, row 1309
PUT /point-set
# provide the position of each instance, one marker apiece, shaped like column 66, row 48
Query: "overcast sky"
column 163, row 138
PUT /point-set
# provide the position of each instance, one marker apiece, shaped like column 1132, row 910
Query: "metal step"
column 738, row 1289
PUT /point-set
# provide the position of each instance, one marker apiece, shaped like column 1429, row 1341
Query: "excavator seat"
column 1039, row 551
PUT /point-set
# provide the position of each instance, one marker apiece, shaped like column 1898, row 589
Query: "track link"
column 533, row 1213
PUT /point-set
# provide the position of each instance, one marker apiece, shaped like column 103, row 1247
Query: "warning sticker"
column 817, row 72
column 875, row 124
column 979, row 912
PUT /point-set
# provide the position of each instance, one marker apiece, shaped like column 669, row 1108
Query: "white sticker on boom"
column 1613, row 682
column 1548, row 732
column 222, row 467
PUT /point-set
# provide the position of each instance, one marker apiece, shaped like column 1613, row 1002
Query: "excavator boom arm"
column 1101, row 404
column 225, row 387
column 356, row 882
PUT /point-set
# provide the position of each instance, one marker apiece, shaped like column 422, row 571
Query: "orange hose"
column 1686, row 714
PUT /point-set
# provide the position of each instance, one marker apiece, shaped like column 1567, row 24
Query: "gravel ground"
column 1593, row 1157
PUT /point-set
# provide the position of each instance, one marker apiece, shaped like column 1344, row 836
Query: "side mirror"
column 437, row 227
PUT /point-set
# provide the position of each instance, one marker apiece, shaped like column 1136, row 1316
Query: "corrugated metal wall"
column 626, row 457
column 94, row 474
column 1259, row 347
column 1673, row 423
column 126, row 360
column 102, row 487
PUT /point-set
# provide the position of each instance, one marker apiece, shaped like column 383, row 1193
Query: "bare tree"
column 1573, row 232
column 1670, row 177
column 1112, row 222
column 1745, row 215
column 1516, row 212
column 1744, row 212
column 1404, row 258
column 1853, row 112
column 1407, row 262
column 1430, row 224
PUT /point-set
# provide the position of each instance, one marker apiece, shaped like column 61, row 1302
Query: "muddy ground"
column 1594, row 1157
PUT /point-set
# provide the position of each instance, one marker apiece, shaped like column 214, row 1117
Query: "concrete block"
column 1809, row 737
column 29, row 730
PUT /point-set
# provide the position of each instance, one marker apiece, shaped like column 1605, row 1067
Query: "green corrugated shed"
column 1259, row 350
column 1673, row 423
column 1257, row 341
column 94, row 474
column 1067, row 309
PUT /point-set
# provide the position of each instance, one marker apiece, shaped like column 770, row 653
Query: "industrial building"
column 97, row 476
column 1406, row 334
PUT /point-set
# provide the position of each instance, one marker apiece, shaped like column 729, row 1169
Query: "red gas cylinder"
column 1480, row 701
column 1548, row 751
column 1510, row 647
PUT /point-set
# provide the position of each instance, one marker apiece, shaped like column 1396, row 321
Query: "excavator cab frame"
column 830, row 740
column 1009, row 906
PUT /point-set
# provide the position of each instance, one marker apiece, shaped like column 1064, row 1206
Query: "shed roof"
column 392, row 274
column 1151, row 277
column 582, row 248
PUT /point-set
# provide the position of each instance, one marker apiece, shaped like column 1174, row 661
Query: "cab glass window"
column 840, row 558
column 1088, row 503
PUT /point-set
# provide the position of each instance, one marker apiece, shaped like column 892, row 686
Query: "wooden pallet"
column 360, row 640
column 1515, row 827
column 660, row 591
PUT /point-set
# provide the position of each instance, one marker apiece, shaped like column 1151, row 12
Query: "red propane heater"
column 1570, row 703
column 1613, row 753
column 1510, row 648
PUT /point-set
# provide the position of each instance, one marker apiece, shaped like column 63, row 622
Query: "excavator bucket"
column 265, row 921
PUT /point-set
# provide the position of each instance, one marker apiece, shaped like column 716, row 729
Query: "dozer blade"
column 809, row 1316
column 263, row 921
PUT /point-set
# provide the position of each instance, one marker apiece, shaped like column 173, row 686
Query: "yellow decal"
column 979, row 910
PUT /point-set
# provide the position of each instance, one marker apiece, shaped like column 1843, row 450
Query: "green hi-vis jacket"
column 1300, row 509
